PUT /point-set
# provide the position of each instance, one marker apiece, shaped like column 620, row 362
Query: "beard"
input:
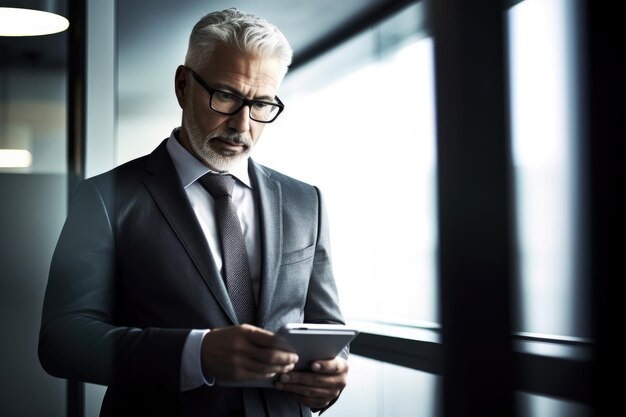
column 214, row 158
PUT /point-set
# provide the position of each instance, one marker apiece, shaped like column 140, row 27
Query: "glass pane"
column 533, row 405
column 32, row 110
column 359, row 124
column 147, row 59
column 544, row 94
column 33, row 186
column 377, row 389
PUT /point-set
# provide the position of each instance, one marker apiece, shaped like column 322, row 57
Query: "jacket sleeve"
column 79, row 338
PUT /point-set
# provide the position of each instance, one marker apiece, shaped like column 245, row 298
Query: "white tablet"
column 311, row 342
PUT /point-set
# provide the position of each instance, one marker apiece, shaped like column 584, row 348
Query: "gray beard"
column 218, row 161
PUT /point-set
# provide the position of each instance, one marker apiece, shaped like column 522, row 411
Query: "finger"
column 264, row 338
column 314, row 380
column 334, row 366
column 251, row 358
column 228, row 354
column 258, row 336
column 260, row 369
column 239, row 367
column 259, row 345
column 270, row 356
column 312, row 397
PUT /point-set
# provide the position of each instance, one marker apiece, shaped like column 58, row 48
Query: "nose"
column 240, row 121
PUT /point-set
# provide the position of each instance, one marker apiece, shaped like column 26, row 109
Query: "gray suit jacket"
column 132, row 274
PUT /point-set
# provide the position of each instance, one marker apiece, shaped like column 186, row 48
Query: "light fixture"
column 15, row 158
column 16, row 143
column 31, row 18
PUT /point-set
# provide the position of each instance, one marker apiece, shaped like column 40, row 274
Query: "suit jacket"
column 132, row 274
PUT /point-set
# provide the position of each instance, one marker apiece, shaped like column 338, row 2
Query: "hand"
column 318, row 388
column 244, row 352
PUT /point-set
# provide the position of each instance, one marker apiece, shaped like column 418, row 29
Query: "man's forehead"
column 242, row 71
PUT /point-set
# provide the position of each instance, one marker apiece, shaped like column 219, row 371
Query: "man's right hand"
column 244, row 352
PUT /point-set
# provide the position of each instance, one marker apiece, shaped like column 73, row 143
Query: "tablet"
column 311, row 342
column 315, row 341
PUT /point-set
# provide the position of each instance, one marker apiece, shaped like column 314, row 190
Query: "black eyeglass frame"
column 244, row 101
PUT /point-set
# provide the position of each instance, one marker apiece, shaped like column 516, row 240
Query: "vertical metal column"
column 76, row 112
column 605, row 159
column 76, row 93
column 475, row 216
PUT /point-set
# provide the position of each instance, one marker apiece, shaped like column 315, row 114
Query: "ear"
column 181, row 84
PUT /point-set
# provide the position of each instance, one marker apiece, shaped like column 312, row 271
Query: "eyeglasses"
column 228, row 103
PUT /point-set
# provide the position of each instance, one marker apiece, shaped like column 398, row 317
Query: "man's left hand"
column 319, row 387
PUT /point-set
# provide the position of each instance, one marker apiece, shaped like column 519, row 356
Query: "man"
column 140, row 294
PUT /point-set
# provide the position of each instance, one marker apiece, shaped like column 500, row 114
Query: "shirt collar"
column 189, row 168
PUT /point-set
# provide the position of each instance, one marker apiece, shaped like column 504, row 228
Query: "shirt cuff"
column 191, row 375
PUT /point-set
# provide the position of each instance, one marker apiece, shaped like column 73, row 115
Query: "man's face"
column 217, row 140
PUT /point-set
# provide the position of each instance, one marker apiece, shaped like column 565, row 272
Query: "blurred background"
column 486, row 293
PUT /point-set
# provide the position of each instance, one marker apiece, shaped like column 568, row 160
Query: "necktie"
column 234, row 254
column 236, row 268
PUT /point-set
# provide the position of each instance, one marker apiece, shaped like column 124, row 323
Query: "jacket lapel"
column 170, row 197
column 268, row 193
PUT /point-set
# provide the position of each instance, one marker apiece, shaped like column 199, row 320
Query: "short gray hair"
column 245, row 32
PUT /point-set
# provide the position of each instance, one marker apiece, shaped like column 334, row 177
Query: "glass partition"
column 378, row 389
column 533, row 405
column 545, row 85
column 359, row 123
column 33, row 196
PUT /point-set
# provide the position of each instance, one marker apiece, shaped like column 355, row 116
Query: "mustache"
column 232, row 137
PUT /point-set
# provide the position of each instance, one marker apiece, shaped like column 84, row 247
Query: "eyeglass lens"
column 228, row 103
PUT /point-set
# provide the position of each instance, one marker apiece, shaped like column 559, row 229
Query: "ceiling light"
column 16, row 21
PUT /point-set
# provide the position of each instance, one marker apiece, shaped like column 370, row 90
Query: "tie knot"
column 218, row 185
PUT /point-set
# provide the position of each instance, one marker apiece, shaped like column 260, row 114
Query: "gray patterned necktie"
column 234, row 254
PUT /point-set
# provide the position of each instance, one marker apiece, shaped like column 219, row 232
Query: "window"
column 552, row 304
column 359, row 123
column 379, row 389
column 544, row 125
column 33, row 194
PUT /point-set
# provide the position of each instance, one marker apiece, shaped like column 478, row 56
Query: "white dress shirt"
column 189, row 170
